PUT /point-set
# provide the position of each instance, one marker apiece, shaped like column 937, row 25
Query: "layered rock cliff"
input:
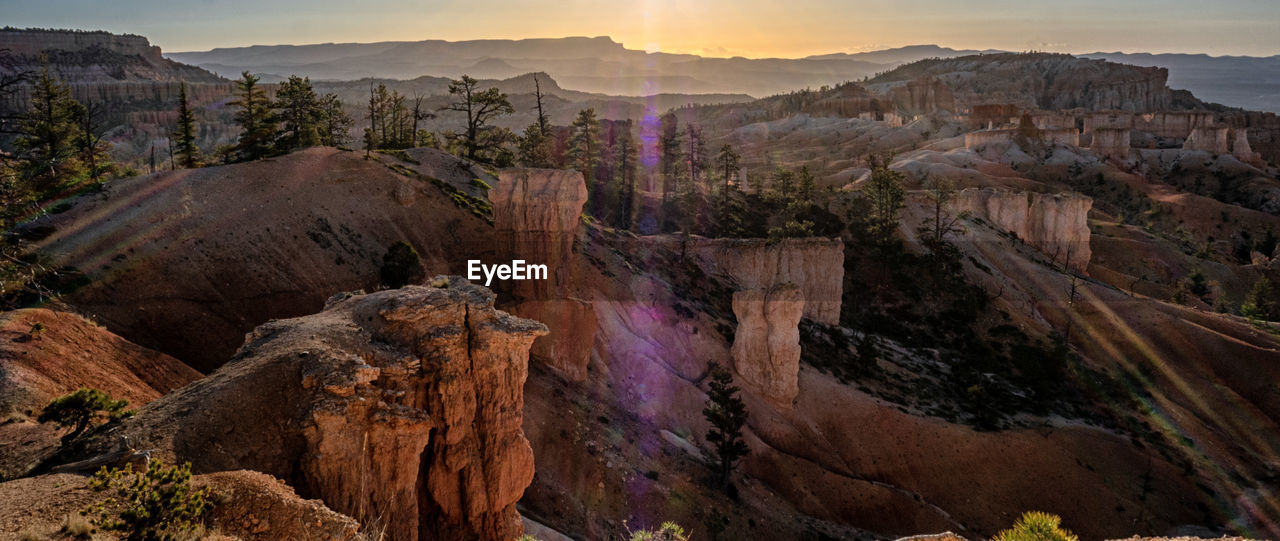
column 403, row 406
column 766, row 343
column 1056, row 224
column 536, row 214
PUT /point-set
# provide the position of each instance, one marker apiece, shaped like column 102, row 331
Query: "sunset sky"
column 753, row 28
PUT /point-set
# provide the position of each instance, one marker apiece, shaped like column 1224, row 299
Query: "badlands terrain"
column 1064, row 315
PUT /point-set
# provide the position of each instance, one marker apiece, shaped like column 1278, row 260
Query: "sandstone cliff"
column 1057, row 224
column 536, row 214
column 766, row 343
column 403, row 406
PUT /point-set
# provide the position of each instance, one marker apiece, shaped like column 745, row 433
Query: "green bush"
column 1036, row 526
column 401, row 266
column 669, row 531
column 157, row 504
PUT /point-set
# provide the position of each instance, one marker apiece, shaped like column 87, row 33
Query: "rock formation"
column 403, row 406
column 1211, row 140
column 1241, row 149
column 536, row 214
column 1056, row 224
column 815, row 265
column 1110, row 143
column 766, row 343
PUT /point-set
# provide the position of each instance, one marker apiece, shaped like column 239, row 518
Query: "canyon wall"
column 1056, row 224
column 536, row 214
column 403, row 406
column 766, row 343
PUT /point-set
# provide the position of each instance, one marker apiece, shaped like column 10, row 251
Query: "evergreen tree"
column 335, row 128
column 93, row 150
column 697, row 156
column 78, row 409
column 807, row 185
column 298, row 108
column 627, row 163
column 254, row 116
column 727, row 415
column 670, row 141
column 727, row 163
column 479, row 141
column 185, row 135
column 784, row 182
column 534, row 147
column 584, row 144
column 46, row 147
column 886, row 194
column 1259, row 304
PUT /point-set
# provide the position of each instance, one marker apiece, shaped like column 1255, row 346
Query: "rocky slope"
column 178, row 265
column 401, row 406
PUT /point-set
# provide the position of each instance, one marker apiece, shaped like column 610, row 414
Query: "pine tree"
column 46, row 147
column 727, row 163
column 670, row 141
column 93, row 150
column 298, row 108
column 584, row 144
column 335, row 129
column 1259, row 303
column 78, row 409
column 479, row 141
column 886, row 194
column 185, row 134
column 257, row 127
column 627, row 162
column 534, row 147
column 807, row 184
column 727, row 415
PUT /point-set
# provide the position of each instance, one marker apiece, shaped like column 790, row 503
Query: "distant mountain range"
column 601, row 65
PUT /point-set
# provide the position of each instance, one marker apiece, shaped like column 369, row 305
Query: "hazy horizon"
column 751, row 28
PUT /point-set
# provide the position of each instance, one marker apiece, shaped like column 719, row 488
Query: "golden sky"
column 754, row 28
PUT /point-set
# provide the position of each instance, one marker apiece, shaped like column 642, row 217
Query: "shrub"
column 152, row 505
column 79, row 408
column 1036, row 526
column 401, row 266
column 669, row 531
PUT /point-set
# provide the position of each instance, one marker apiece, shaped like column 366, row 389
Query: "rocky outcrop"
column 1211, row 140
column 536, row 214
column 1110, row 143
column 1242, row 150
column 766, row 343
column 815, row 265
column 403, row 406
column 924, row 95
column 1056, row 224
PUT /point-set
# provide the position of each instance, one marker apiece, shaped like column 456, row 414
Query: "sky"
column 751, row 28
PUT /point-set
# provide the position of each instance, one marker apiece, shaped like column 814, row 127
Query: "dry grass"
column 77, row 526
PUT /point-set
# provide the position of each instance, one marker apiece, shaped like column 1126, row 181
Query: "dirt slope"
column 186, row 262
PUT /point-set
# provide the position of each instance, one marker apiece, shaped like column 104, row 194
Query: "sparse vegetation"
column 77, row 410
column 155, row 504
column 1036, row 526
column 401, row 266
